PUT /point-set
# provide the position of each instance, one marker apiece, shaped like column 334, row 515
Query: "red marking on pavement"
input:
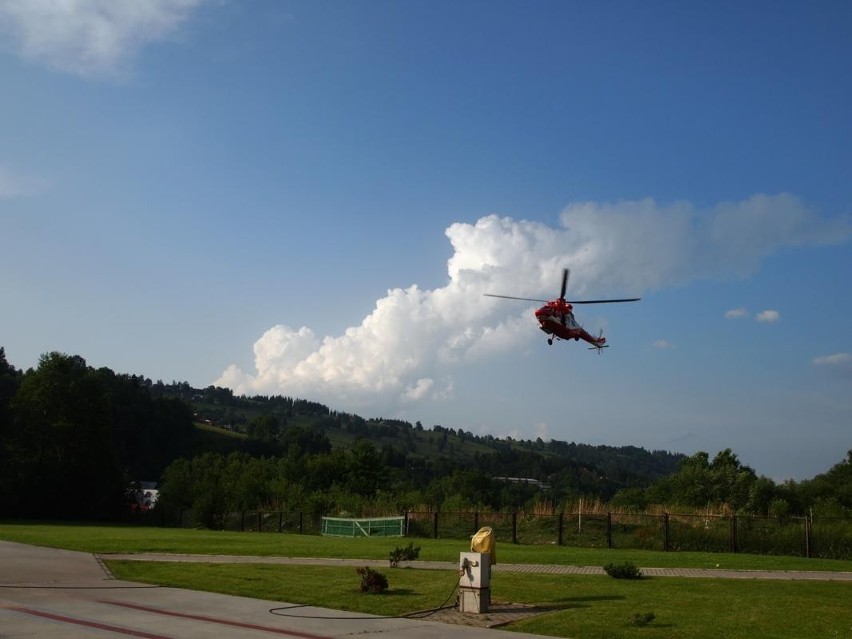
column 224, row 622
column 88, row 624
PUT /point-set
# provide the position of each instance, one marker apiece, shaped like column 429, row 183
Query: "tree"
column 731, row 481
column 147, row 433
column 366, row 473
column 836, row 485
column 304, row 441
column 264, row 428
column 700, row 482
column 10, row 380
column 60, row 445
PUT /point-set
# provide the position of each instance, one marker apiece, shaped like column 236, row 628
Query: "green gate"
column 375, row 527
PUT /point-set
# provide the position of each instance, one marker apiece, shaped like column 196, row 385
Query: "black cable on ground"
column 422, row 614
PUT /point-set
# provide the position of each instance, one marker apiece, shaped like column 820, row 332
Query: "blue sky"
column 309, row 199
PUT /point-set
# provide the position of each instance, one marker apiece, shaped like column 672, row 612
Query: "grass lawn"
column 583, row 607
column 120, row 538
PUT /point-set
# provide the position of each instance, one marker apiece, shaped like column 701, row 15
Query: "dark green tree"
column 731, row 480
column 831, row 492
column 264, row 428
column 147, row 433
column 304, row 441
column 62, row 459
column 366, row 474
column 10, row 380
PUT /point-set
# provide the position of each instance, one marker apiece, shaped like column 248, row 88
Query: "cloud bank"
column 408, row 348
column 89, row 37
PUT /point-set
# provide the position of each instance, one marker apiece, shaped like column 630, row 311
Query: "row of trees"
column 356, row 483
column 725, row 481
column 341, row 483
column 73, row 438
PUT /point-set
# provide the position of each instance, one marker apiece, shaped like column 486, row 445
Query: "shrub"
column 409, row 553
column 641, row 619
column 625, row 570
column 372, row 581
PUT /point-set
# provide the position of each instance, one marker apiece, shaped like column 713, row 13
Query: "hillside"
column 415, row 450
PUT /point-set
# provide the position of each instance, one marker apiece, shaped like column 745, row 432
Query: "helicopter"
column 556, row 317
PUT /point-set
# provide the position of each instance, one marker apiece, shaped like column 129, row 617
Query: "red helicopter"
column 556, row 317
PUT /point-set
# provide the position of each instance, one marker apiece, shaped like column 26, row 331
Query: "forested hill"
column 270, row 423
column 68, row 424
column 74, row 438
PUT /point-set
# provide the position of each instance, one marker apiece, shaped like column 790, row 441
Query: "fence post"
column 808, row 537
column 280, row 519
column 609, row 530
column 435, row 525
column 735, row 544
column 559, row 529
column 515, row 527
column 301, row 522
column 475, row 521
column 665, row 532
column 405, row 523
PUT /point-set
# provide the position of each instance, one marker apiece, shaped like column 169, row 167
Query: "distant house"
column 143, row 495
column 525, row 480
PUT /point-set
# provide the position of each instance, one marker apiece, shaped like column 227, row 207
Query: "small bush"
column 372, row 582
column 641, row 619
column 409, row 553
column 625, row 570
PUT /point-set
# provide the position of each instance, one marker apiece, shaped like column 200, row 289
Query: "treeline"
column 724, row 483
column 73, row 439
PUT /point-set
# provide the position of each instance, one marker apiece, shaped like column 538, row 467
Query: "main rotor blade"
column 632, row 299
column 564, row 283
column 510, row 297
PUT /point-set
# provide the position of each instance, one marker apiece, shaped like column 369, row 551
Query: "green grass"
column 583, row 607
column 329, row 587
column 219, row 431
column 102, row 538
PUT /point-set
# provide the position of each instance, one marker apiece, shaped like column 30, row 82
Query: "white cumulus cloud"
column 89, row 37
column 839, row 364
column 737, row 313
column 768, row 317
column 408, row 348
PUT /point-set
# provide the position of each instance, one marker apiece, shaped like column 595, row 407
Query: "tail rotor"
column 600, row 343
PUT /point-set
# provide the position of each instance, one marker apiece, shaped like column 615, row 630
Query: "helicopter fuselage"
column 556, row 318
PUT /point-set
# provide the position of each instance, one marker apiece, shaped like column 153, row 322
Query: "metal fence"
column 796, row 536
column 242, row 521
